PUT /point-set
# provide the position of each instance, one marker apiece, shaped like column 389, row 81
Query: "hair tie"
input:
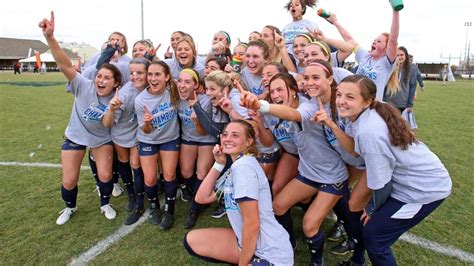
column 322, row 66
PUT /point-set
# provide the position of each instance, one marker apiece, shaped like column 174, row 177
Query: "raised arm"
column 392, row 44
column 345, row 48
column 344, row 33
column 62, row 60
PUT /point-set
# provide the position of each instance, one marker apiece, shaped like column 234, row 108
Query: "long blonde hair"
column 393, row 84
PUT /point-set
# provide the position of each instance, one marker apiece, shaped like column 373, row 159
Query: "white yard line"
column 125, row 230
column 103, row 245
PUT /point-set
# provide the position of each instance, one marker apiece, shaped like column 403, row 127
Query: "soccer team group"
column 275, row 124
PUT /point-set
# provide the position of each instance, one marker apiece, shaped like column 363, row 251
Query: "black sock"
column 196, row 185
column 341, row 209
column 152, row 194
column 170, row 195
column 356, row 232
column 69, row 196
column 287, row 222
column 115, row 169
column 105, row 192
column 127, row 177
column 315, row 246
column 139, row 187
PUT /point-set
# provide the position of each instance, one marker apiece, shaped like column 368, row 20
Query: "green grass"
column 34, row 119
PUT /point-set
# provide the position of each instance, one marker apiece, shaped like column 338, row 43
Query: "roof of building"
column 13, row 48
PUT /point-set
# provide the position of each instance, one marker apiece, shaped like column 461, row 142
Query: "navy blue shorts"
column 268, row 157
column 196, row 143
column 145, row 149
column 69, row 145
column 339, row 189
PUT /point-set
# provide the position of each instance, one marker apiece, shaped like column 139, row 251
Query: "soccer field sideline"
column 124, row 230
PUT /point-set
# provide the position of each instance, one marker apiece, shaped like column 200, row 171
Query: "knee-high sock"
column 315, row 246
column 127, row 177
column 139, row 183
column 152, row 194
column 93, row 167
column 287, row 222
column 170, row 195
column 105, row 191
column 115, row 169
column 69, row 196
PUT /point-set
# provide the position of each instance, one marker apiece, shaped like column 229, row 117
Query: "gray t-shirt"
column 379, row 71
column 175, row 67
column 272, row 148
column 124, row 131
column 294, row 28
column 400, row 98
column 417, row 174
column 319, row 162
column 85, row 125
column 188, row 129
column 165, row 123
column 253, row 82
column 234, row 97
column 94, row 58
column 246, row 180
column 340, row 73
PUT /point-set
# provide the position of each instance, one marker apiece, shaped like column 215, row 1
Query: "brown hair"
column 329, row 73
column 249, row 134
column 188, row 39
column 262, row 45
column 304, row 4
column 115, row 72
column 289, row 80
column 125, row 45
column 170, row 83
column 400, row 133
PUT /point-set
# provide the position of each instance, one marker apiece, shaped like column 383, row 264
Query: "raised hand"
column 115, row 103
column 279, row 42
column 219, row 48
column 256, row 116
column 47, row 26
column 168, row 53
column 151, row 52
column 321, row 116
column 194, row 100
column 147, row 117
column 246, row 98
column 219, row 156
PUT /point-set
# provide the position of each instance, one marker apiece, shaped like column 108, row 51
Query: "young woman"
column 175, row 37
column 378, row 63
column 254, row 36
column 255, row 237
column 297, row 9
column 156, row 109
column 185, row 57
column 85, row 128
column 122, row 119
column 322, row 171
column 407, row 179
column 401, row 96
column 299, row 44
column 196, row 144
column 256, row 56
column 221, row 46
column 122, row 57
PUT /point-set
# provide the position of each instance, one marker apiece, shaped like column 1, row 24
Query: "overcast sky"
column 429, row 29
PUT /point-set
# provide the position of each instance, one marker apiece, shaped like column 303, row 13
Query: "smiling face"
column 211, row 66
column 349, row 101
column 268, row 37
column 254, row 60
column 138, row 76
column 234, row 141
column 267, row 73
column 105, row 82
column 313, row 52
column 379, row 46
column 185, row 54
column 315, row 82
column 401, row 57
column 139, row 50
column 157, row 79
column 280, row 93
column 299, row 45
column 215, row 92
column 175, row 37
column 186, row 86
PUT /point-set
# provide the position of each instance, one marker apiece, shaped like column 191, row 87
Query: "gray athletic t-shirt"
column 417, row 174
column 340, row 73
column 175, row 67
column 253, row 82
column 85, row 125
column 165, row 123
column 234, row 97
column 124, row 131
column 379, row 71
column 188, row 129
column 318, row 160
column 246, row 180
column 293, row 29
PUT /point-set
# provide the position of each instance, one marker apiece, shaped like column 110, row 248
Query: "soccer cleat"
column 108, row 211
column 155, row 215
column 117, row 191
column 337, row 232
column 134, row 216
column 191, row 219
column 219, row 211
column 66, row 214
column 166, row 221
column 186, row 193
column 131, row 203
column 343, row 248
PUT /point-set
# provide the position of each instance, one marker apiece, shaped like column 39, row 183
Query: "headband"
column 320, row 44
column 244, row 44
column 227, row 36
column 306, row 36
column 192, row 73
column 320, row 65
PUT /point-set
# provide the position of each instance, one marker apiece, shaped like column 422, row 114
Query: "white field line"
column 125, row 230
column 48, row 165
column 103, row 245
column 438, row 248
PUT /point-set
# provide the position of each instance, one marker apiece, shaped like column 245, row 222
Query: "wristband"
column 218, row 167
column 264, row 106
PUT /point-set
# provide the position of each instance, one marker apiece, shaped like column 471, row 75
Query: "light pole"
column 467, row 24
column 143, row 30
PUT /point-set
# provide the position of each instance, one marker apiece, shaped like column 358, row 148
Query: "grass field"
column 35, row 111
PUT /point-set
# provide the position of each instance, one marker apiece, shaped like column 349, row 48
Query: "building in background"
column 83, row 50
